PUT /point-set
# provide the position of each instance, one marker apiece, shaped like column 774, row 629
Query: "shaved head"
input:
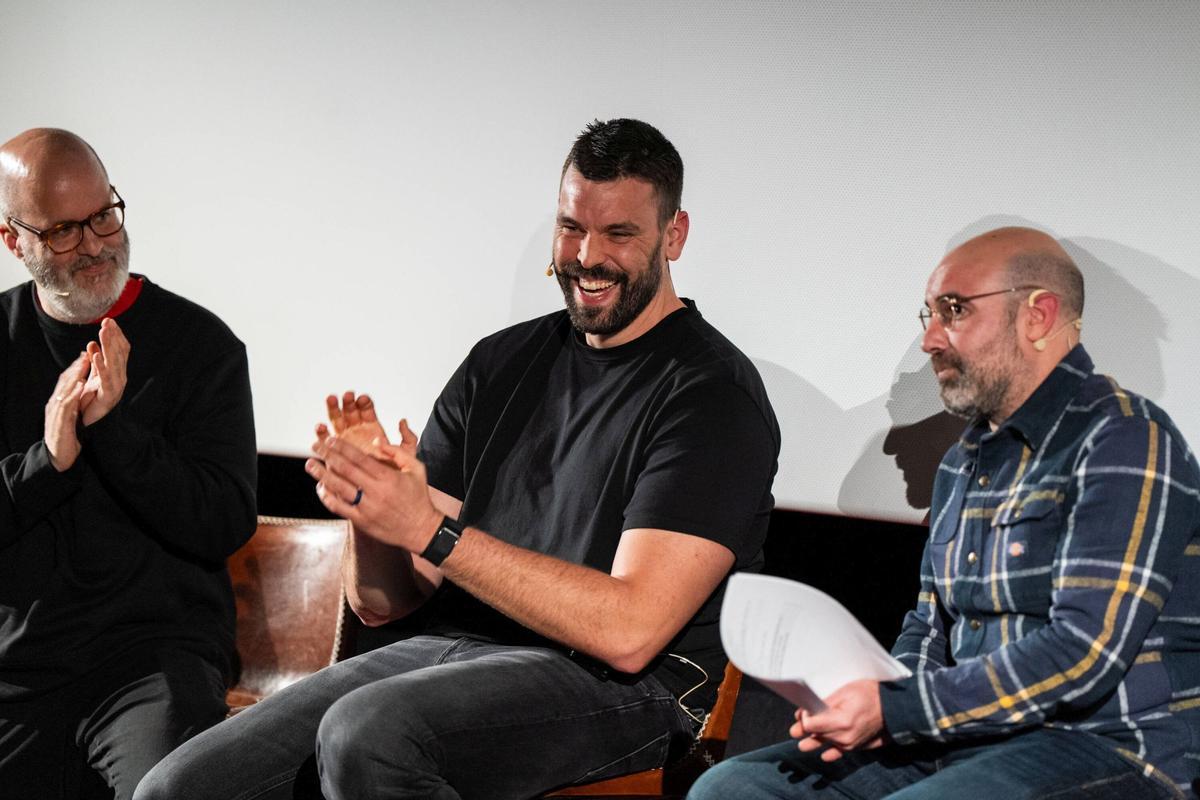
column 1029, row 257
column 38, row 161
column 48, row 178
column 991, row 357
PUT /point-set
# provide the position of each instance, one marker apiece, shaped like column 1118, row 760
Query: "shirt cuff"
column 41, row 488
column 903, row 711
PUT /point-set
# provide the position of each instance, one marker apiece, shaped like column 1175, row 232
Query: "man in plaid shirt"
column 1055, row 644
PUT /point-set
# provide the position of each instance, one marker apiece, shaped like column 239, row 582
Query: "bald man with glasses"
column 128, row 460
column 1055, row 642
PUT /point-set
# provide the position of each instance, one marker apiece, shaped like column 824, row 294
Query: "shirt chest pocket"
column 1025, row 533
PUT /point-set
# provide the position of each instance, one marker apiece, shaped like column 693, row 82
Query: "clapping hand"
column 106, row 382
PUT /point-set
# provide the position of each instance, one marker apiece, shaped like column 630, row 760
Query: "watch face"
column 442, row 543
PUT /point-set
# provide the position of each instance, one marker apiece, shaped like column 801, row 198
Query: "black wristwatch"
column 443, row 541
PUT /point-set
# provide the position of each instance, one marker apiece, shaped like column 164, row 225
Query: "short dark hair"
column 630, row 148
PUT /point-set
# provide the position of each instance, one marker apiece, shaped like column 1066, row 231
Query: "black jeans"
column 119, row 720
column 429, row 717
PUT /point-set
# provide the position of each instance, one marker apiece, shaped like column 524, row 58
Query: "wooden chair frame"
column 676, row 778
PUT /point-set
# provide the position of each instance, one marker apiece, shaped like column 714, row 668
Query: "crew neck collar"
column 124, row 306
column 652, row 339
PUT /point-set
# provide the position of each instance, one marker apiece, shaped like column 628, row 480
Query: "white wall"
column 363, row 189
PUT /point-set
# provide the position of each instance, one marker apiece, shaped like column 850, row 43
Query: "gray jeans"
column 115, row 722
column 429, row 717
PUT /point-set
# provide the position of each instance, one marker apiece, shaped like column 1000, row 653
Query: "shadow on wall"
column 910, row 448
column 812, row 427
column 1126, row 322
column 1124, row 325
column 535, row 293
column 1136, row 307
column 918, row 447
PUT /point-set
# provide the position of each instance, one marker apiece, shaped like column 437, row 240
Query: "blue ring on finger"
column 357, row 498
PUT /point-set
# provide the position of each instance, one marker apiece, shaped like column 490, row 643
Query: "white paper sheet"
column 798, row 641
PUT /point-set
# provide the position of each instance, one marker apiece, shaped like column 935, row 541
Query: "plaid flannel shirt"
column 1060, row 585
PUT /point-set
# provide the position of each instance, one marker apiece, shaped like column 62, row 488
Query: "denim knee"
column 162, row 783
column 363, row 743
column 719, row 783
column 767, row 774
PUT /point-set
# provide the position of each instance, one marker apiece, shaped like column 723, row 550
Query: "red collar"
column 133, row 287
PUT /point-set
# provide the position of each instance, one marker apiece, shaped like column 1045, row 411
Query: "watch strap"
column 443, row 541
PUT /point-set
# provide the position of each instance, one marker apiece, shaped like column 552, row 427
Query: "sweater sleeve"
column 33, row 488
column 194, row 489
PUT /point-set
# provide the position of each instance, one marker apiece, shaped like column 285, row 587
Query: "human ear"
column 1042, row 306
column 677, row 233
column 10, row 240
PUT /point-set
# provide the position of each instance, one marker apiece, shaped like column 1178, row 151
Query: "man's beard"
column 981, row 387
column 634, row 294
column 77, row 299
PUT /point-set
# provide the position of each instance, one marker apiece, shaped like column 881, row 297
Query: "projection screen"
column 364, row 189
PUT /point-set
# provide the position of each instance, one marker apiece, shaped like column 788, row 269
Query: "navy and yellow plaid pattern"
column 1060, row 584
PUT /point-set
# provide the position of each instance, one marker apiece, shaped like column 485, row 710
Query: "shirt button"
column 971, row 557
column 975, row 624
column 984, row 481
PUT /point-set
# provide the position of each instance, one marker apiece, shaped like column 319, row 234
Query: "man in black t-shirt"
column 585, row 484
column 128, row 465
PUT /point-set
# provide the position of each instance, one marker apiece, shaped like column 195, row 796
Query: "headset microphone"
column 1040, row 344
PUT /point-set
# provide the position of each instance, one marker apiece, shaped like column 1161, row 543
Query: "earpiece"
column 1040, row 344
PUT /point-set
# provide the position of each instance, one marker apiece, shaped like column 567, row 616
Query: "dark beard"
column 634, row 295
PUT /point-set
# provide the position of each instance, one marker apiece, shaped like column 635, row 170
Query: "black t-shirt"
column 558, row 447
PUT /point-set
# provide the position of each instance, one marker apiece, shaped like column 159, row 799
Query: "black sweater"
column 128, row 545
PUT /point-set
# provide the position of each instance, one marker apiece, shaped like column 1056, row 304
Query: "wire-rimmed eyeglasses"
column 951, row 308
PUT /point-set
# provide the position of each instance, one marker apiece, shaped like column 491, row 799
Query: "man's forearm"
column 595, row 617
column 382, row 582
column 624, row 621
column 658, row 580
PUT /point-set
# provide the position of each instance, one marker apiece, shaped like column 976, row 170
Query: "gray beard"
column 67, row 300
column 970, row 396
column 979, row 389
